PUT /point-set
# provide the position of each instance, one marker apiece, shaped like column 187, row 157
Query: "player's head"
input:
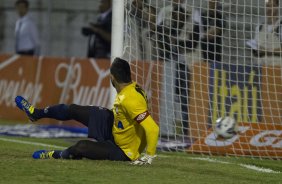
column 22, row 7
column 120, row 71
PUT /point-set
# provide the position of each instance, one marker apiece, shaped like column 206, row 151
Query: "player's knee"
column 72, row 108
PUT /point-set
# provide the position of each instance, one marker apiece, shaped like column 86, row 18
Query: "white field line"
column 209, row 160
column 252, row 167
column 31, row 143
column 260, row 169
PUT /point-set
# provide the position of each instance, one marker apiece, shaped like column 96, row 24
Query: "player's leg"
column 99, row 120
column 105, row 150
column 65, row 112
column 61, row 112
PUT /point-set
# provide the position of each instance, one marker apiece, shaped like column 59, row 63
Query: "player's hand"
column 146, row 159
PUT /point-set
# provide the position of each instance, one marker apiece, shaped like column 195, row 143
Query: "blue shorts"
column 100, row 124
column 100, row 128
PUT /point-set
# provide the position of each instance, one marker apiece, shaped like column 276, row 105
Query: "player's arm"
column 151, row 133
column 137, row 110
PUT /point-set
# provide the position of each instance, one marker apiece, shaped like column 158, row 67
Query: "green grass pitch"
column 17, row 166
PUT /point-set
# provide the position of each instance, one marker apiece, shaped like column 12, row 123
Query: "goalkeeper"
column 121, row 133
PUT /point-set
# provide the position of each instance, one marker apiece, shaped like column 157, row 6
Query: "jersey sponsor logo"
column 141, row 116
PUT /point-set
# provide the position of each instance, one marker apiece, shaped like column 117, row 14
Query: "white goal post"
column 201, row 60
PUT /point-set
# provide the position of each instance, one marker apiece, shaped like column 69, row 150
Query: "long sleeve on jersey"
column 152, row 133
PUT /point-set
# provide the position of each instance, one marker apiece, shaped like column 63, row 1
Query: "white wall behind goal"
column 59, row 23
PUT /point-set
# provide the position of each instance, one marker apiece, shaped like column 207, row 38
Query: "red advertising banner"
column 262, row 140
column 46, row 81
column 271, row 92
column 257, row 138
column 17, row 77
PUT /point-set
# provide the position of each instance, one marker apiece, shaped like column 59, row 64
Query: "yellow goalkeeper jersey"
column 130, row 112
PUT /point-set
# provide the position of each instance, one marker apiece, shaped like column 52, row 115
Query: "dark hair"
column 120, row 69
column 22, row 2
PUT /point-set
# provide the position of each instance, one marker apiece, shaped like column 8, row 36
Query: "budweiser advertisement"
column 253, row 96
column 46, row 81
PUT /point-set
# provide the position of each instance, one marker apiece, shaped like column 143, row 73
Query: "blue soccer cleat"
column 43, row 154
column 24, row 105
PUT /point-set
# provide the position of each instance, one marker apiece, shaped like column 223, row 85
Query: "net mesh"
column 201, row 60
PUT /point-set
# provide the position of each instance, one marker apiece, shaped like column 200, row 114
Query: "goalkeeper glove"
column 146, row 159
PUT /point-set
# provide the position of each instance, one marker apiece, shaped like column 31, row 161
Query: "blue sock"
column 65, row 154
column 57, row 154
column 58, row 112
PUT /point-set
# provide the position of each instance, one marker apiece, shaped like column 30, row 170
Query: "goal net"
column 201, row 60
